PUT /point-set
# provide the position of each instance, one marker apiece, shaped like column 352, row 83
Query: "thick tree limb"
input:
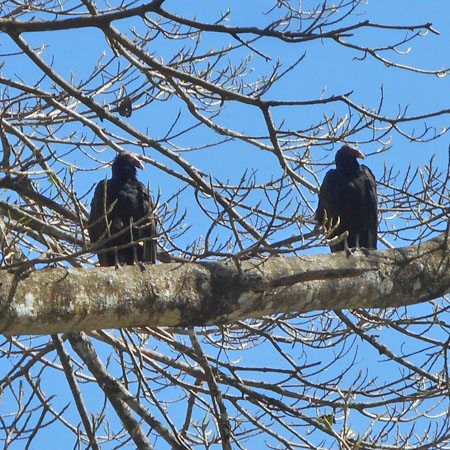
column 100, row 21
column 63, row 300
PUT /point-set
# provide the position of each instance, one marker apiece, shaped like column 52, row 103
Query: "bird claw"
column 350, row 251
column 353, row 250
column 347, row 249
column 136, row 260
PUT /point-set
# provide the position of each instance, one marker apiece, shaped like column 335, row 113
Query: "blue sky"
column 325, row 65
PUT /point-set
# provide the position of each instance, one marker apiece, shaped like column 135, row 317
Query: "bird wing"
column 97, row 226
column 371, row 205
column 327, row 197
column 148, row 230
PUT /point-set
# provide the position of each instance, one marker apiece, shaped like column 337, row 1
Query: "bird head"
column 124, row 165
column 348, row 151
column 128, row 158
column 346, row 159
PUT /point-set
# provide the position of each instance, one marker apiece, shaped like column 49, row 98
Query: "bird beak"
column 134, row 160
column 357, row 154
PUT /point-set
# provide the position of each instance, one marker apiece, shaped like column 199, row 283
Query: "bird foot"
column 353, row 250
column 347, row 249
column 136, row 260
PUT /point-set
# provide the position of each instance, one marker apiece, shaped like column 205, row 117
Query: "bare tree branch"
column 237, row 110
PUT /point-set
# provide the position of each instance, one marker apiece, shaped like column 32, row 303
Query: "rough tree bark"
column 64, row 300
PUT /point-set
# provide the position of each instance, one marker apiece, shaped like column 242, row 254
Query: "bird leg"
column 135, row 256
column 116, row 258
column 348, row 252
column 136, row 260
column 347, row 248
column 366, row 251
column 134, row 247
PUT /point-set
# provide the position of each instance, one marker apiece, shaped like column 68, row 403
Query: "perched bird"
column 122, row 217
column 348, row 202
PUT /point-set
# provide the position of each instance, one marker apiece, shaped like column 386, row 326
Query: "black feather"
column 122, row 216
column 348, row 196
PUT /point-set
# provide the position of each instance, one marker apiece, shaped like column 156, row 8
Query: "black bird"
column 348, row 202
column 122, row 216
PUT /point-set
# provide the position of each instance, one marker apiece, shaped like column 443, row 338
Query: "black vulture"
column 122, row 216
column 348, row 202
